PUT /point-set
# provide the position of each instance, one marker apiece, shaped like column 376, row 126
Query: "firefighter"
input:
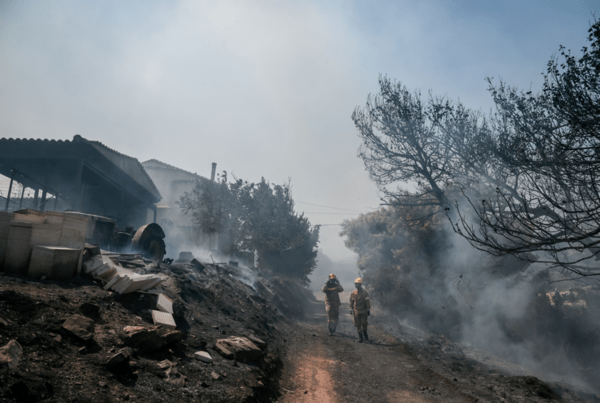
column 360, row 308
column 332, row 289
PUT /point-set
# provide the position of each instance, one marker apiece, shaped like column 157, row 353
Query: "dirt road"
column 331, row 369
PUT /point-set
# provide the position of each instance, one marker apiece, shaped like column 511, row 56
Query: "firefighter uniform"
column 332, row 290
column 360, row 305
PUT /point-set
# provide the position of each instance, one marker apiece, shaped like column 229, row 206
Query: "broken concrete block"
column 164, row 304
column 203, row 356
column 239, row 348
column 92, row 264
column 122, row 356
column 105, row 272
column 134, row 282
column 10, row 354
column 199, row 266
column 53, row 262
column 112, row 282
column 101, row 267
column 185, row 257
column 18, row 248
column 155, row 291
column 163, row 319
column 80, row 326
column 5, row 219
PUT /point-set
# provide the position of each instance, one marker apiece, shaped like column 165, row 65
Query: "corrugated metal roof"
column 156, row 164
column 128, row 165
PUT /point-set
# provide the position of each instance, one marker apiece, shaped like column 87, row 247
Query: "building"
column 77, row 175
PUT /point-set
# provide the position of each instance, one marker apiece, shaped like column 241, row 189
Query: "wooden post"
column 12, row 178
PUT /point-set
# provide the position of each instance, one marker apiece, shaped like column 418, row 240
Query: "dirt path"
column 339, row 369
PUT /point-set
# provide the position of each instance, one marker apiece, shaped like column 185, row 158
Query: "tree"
column 552, row 140
column 441, row 146
column 259, row 217
column 524, row 179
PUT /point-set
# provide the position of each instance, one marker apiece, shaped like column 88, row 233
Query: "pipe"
column 214, row 170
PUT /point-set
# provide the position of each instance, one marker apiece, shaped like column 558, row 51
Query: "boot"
column 330, row 328
column 334, row 327
column 366, row 335
column 360, row 337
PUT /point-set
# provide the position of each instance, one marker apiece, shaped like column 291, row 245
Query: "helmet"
column 358, row 281
column 332, row 276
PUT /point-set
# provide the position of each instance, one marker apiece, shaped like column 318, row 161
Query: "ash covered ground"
column 299, row 363
column 55, row 365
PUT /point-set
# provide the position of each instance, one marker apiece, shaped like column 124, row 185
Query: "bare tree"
column 525, row 179
column 551, row 141
column 441, row 146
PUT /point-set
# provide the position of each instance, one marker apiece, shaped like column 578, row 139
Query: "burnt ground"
column 401, row 368
column 300, row 363
column 57, row 366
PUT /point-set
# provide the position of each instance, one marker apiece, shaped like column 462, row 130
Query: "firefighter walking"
column 360, row 309
column 332, row 289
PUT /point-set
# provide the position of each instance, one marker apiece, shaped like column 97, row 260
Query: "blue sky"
column 263, row 88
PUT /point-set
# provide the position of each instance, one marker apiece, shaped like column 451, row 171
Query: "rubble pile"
column 136, row 330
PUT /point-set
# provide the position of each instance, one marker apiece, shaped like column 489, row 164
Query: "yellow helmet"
column 332, row 276
column 358, row 281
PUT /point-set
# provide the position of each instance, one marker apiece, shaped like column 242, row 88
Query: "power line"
column 335, row 208
column 313, row 212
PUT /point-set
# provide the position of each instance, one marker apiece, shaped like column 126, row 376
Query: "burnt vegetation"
column 257, row 218
column 519, row 185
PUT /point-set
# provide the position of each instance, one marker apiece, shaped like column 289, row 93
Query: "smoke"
column 499, row 305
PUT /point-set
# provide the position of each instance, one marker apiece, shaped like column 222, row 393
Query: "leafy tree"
column 402, row 261
column 259, row 217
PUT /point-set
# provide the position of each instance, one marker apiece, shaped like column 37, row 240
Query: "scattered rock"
column 143, row 339
column 122, row 356
column 80, row 326
column 239, row 348
column 89, row 309
column 176, row 379
column 260, row 343
column 170, row 336
column 203, row 356
column 10, row 354
column 165, row 364
column 215, row 376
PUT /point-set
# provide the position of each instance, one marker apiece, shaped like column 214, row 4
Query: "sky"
column 262, row 88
